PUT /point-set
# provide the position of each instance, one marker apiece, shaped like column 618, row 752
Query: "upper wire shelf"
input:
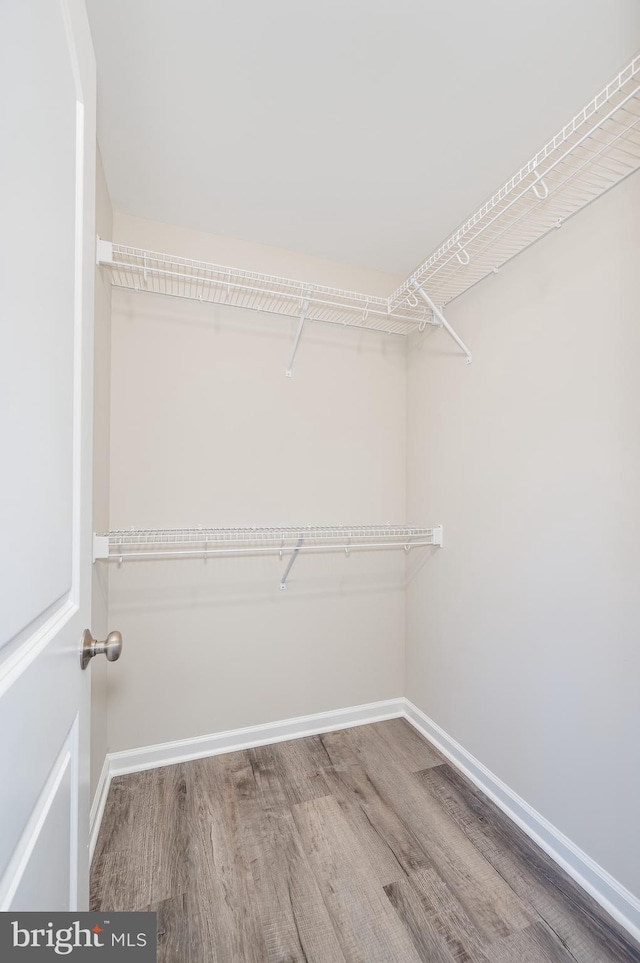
column 596, row 150
column 180, row 277
column 140, row 544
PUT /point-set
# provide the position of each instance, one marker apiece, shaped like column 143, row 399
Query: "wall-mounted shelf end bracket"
column 294, row 555
column 100, row 548
column 438, row 536
column 104, row 251
column 439, row 316
column 304, row 307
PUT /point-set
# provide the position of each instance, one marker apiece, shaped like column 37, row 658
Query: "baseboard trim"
column 169, row 753
column 615, row 898
column 199, row 747
column 98, row 804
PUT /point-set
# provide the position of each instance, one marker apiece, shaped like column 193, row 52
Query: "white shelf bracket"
column 104, row 251
column 100, row 548
column 294, row 555
column 437, row 313
column 303, row 313
column 437, row 535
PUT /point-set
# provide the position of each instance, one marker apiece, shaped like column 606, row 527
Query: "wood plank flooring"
column 357, row 846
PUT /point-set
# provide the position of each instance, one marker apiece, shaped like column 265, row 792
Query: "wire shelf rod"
column 271, row 550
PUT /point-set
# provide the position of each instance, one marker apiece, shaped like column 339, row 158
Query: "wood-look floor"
column 358, row 846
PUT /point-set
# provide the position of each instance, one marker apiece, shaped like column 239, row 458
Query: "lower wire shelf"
column 141, row 544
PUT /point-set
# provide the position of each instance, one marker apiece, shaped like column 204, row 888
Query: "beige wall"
column 523, row 632
column 101, row 418
column 207, row 430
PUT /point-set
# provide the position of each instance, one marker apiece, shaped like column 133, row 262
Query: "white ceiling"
column 359, row 130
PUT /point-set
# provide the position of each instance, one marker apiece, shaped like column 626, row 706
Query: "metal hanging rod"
column 596, row 150
column 139, row 544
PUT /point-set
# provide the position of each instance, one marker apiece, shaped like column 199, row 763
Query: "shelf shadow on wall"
column 418, row 559
column 131, row 591
column 219, row 320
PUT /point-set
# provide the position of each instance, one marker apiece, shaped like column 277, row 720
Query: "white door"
column 47, row 174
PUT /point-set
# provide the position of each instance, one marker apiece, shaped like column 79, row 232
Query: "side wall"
column 207, row 430
column 101, row 419
column 523, row 632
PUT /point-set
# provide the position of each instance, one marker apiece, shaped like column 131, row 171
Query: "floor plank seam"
column 560, row 939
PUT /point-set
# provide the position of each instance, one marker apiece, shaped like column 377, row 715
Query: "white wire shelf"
column 179, row 277
column 141, row 544
column 596, row 150
column 199, row 542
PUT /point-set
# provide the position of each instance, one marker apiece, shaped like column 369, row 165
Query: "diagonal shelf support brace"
column 437, row 313
column 294, row 555
column 303, row 313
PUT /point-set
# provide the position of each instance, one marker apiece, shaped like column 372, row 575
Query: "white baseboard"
column 168, row 753
column 615, row 898
column 182, row 750
column 98, row 804
column 618, row 901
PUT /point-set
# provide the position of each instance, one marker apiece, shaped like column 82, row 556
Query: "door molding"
column 65, row 764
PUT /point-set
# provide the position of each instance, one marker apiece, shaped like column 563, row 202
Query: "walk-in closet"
column 320, row 640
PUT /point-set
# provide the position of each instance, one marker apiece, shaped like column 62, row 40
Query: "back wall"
column 207, row 430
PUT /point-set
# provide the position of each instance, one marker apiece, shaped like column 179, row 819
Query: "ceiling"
column 359, row 130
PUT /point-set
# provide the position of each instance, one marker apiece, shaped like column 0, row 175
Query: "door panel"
column 40, row 709
column 39, row 176
column 47, row 181
column 42, row 872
